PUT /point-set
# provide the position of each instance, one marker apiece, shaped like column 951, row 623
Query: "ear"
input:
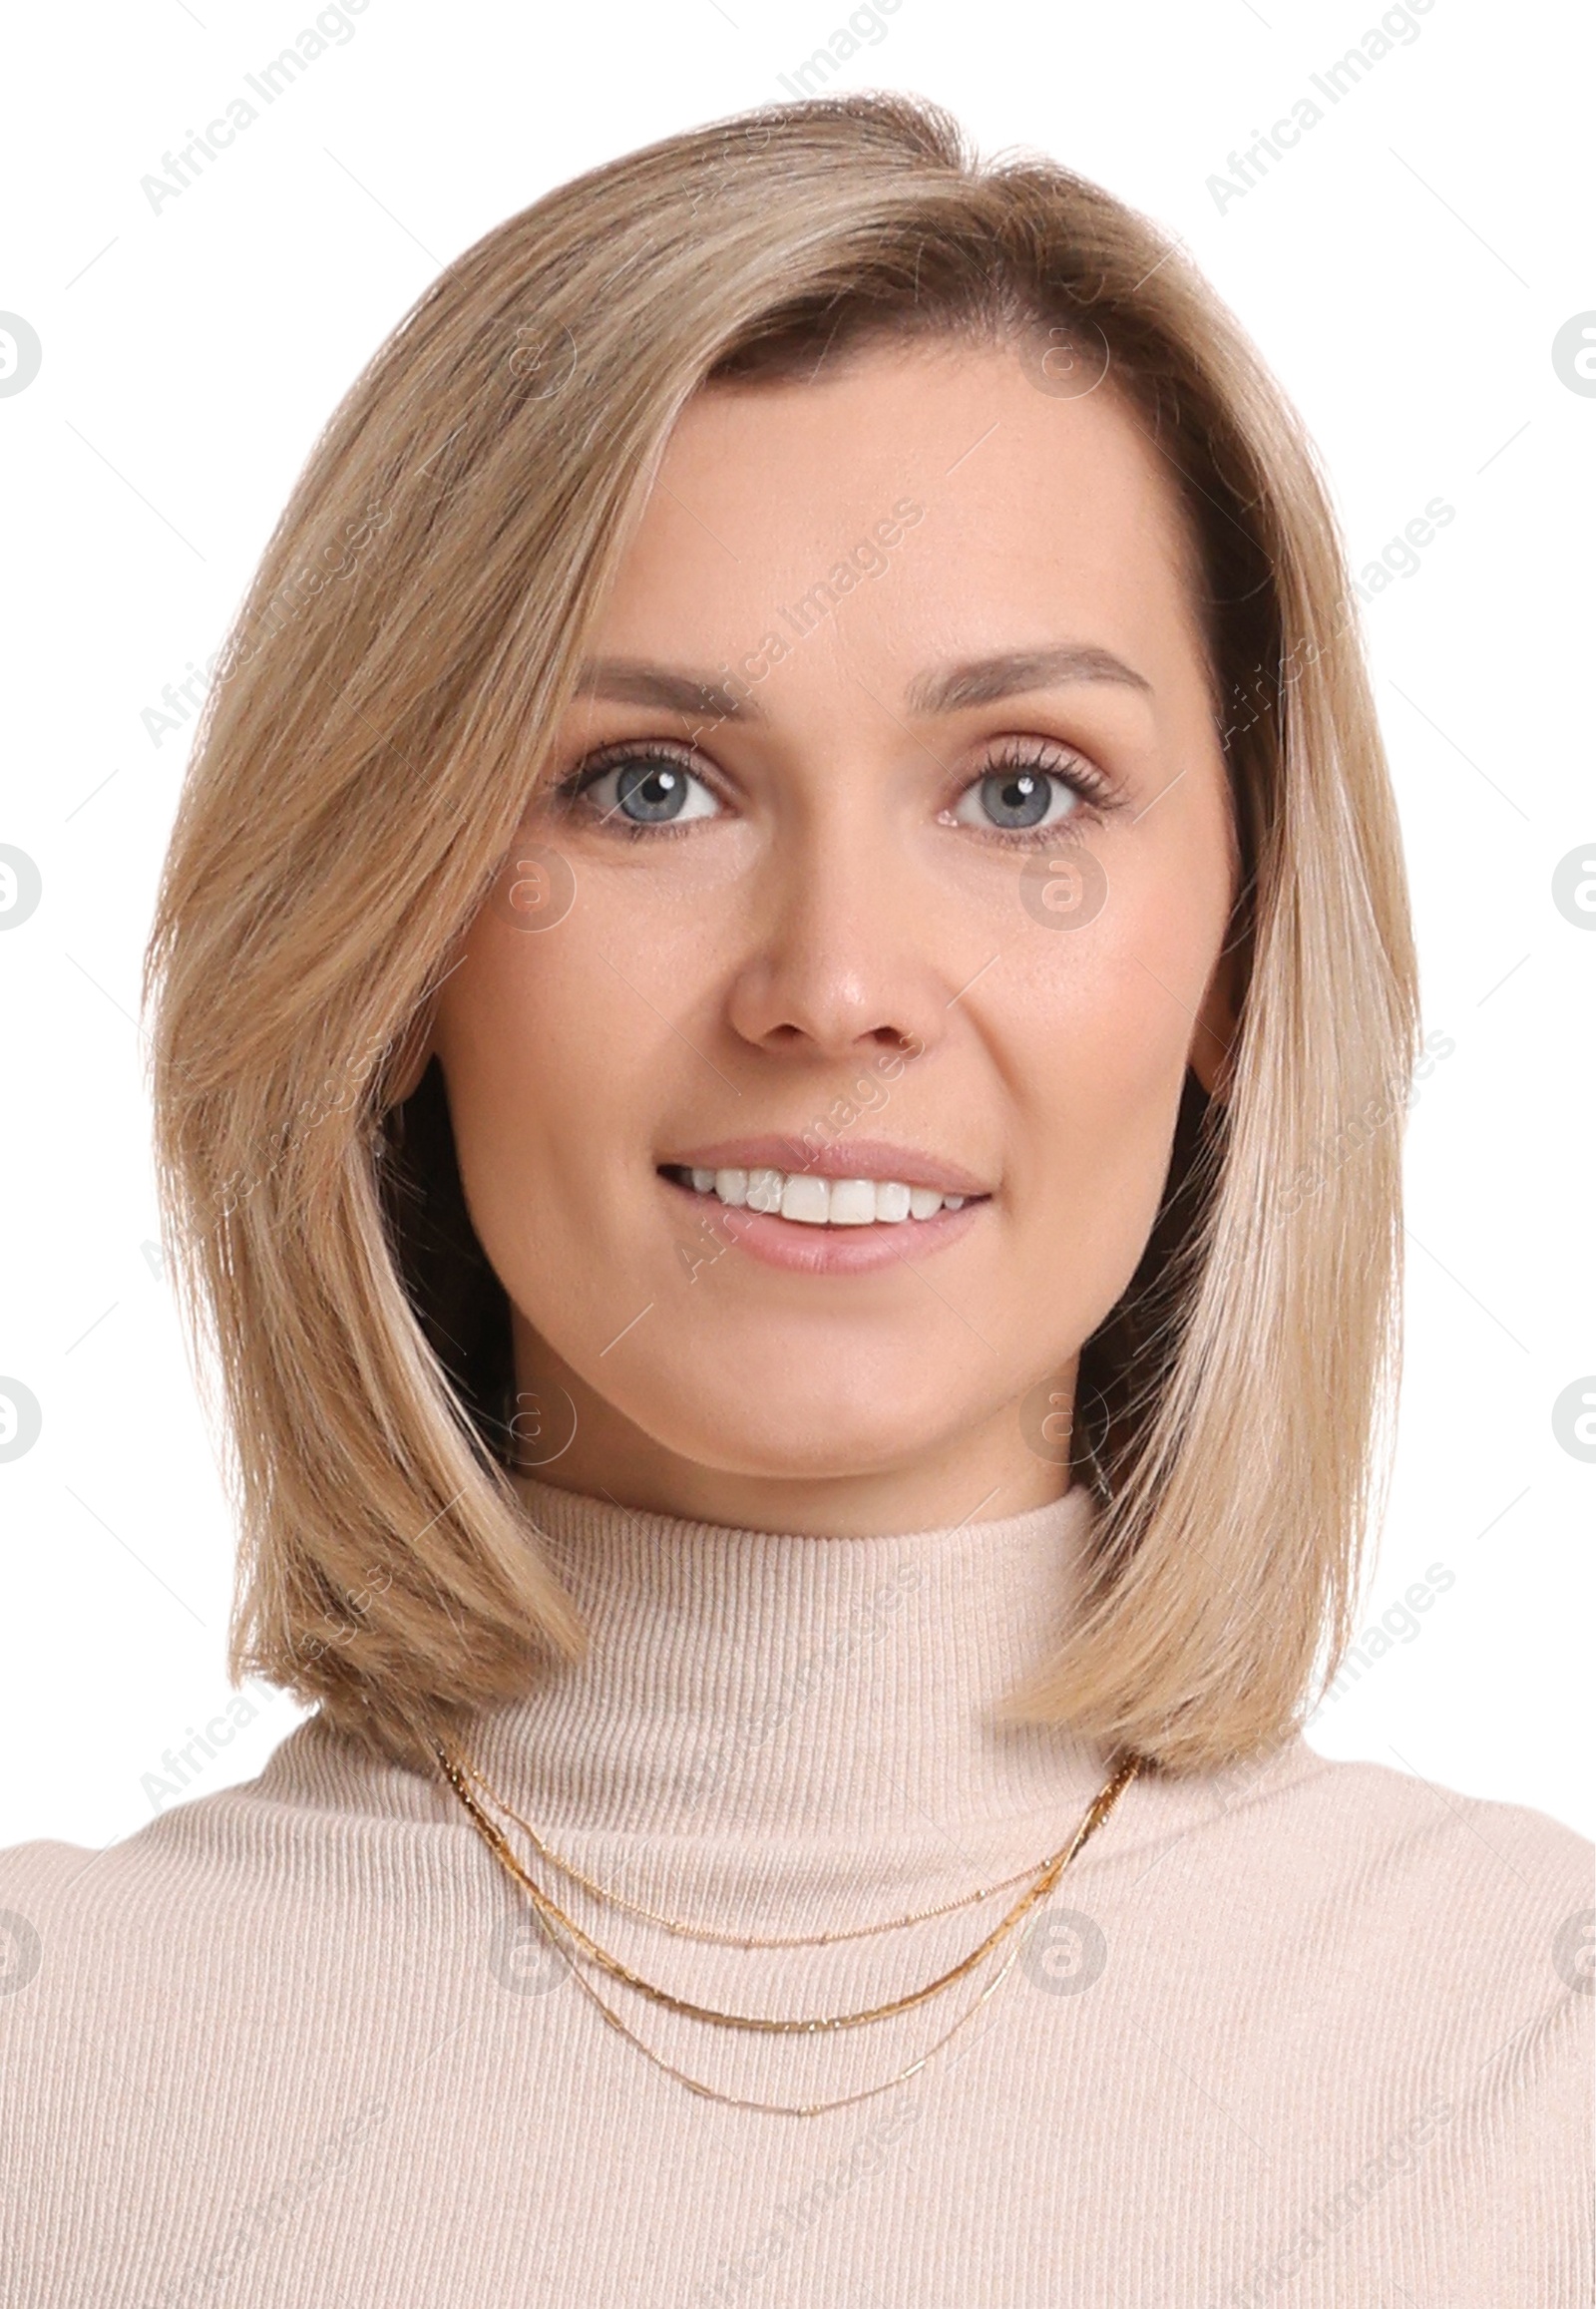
column 1213, row 1044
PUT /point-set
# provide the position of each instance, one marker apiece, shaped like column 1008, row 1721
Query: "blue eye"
column 1017, row 800
column 1016, row 797
column 649, row 788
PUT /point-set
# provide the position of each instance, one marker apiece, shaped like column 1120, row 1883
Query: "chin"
column 832, row 1431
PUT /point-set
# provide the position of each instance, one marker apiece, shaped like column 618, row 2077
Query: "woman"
column 789, row 875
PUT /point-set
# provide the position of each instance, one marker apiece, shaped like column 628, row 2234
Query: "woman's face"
column 931, row 899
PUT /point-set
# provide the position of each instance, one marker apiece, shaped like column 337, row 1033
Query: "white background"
column 1404, row 270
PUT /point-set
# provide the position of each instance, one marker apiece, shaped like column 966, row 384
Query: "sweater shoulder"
column 320, row 1811
column 1307, row 1831
column 1355, row 1793
column 1357, row 1802
column 1411, row 1813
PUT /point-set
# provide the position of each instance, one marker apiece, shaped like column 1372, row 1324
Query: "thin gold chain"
column 1101, row 1804
column 708, row 1933
column 789, row 2107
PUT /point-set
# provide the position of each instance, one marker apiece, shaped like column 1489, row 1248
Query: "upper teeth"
column 821, row 1202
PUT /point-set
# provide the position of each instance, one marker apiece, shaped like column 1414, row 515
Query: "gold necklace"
column 708, row 1933
column 790, row 2107
column 608, row 1962
column 1098, row 1810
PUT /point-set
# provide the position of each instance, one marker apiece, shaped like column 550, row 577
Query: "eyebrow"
column 943, row 689
column 979, row 680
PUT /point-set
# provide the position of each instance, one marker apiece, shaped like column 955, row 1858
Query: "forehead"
column 965, row 506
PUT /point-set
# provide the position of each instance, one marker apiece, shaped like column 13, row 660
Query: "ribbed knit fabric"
column 1309, row 2034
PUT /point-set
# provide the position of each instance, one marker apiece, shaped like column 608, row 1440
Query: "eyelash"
column 1042, row 756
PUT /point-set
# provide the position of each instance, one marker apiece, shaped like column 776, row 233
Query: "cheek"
column 1098, row 1039
column 544, row 1052
column 1118, row 1052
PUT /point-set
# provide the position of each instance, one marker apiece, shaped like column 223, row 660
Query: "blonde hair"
column 367, row 750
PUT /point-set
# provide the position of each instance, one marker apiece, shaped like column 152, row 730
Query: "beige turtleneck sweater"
column 1310, row 2034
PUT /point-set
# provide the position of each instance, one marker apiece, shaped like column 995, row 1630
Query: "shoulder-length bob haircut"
column 371, row 739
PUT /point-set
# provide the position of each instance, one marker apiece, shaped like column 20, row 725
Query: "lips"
column 814, row 1224
column 832, row 1210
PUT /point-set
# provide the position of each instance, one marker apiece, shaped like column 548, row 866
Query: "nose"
column 839, row 955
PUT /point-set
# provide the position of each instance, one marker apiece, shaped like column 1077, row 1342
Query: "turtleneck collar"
column 746, row 1686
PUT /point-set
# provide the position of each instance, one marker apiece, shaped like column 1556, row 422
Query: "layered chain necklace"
column 569, row 1936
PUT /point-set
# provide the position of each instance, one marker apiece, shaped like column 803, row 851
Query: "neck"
column 751, row 1689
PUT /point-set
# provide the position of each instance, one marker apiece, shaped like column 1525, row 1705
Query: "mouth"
column 809, row 1200
column 845, row 1209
